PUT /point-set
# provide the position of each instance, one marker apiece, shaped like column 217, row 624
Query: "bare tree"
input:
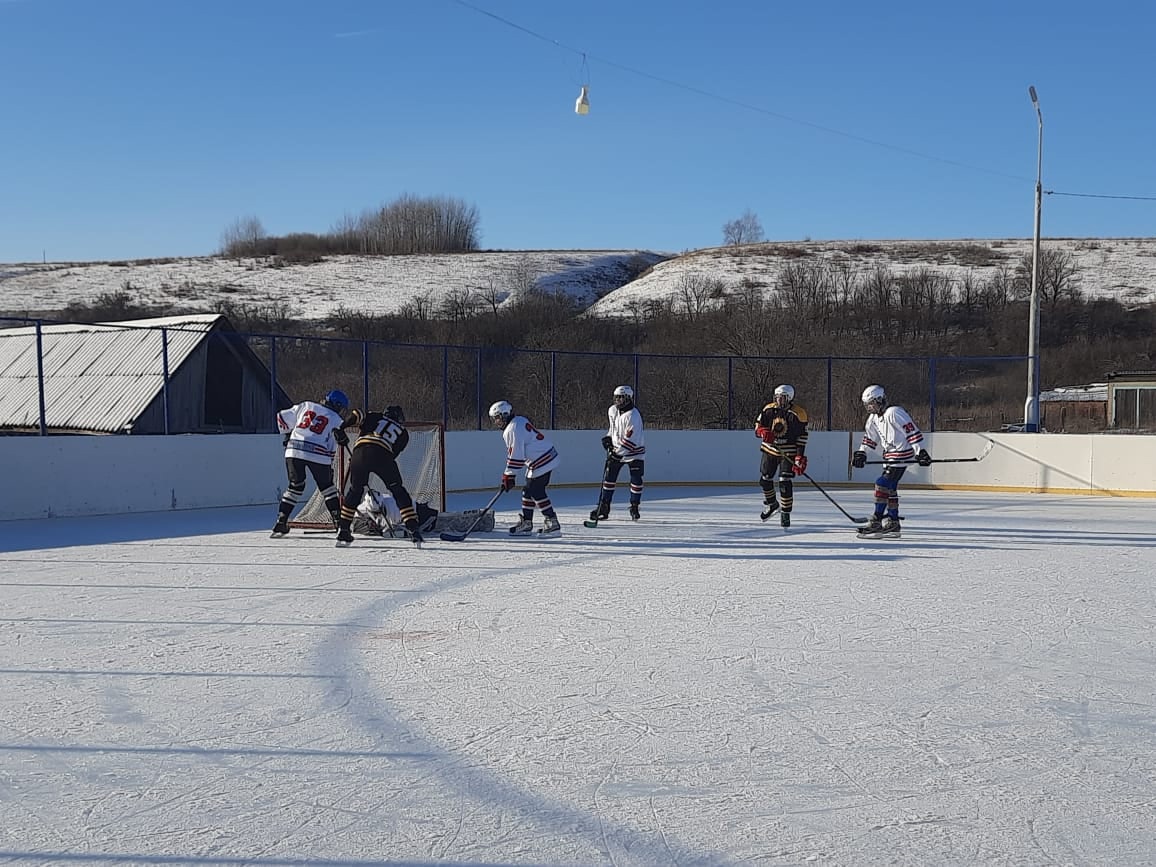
column 242, row 237
column 745, row 230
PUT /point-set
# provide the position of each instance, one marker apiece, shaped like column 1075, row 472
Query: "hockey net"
column 423, row 471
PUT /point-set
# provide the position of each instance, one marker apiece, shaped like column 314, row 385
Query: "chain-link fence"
column 557, row 389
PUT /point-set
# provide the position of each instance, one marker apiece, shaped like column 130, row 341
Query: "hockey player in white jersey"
column 625, row 444
column 891, row 429
column 527, row 449
column 312, row 436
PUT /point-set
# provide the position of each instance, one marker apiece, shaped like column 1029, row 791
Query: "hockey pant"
column 784, row 466
column 322, row 476
column 610, row 476
column 887, row 491
column 373, row 459
column 534, row 495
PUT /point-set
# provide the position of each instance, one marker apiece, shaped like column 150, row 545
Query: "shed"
column 1075, row 408
column 110, row 378
column 1132, row 399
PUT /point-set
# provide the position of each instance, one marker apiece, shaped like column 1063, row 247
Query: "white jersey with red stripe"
column 527, row 448
column 894, row 432
column 627, row 438
column 310, row 427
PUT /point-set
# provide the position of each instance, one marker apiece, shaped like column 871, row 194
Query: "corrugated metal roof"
column 1095, row 391
column 96, row 377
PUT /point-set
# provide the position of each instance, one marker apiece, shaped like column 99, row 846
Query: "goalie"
column 378, row 514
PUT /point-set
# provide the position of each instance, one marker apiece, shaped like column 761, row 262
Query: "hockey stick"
column 848, row 515
column 458, row 537
column 593, row 522
column 987, row 450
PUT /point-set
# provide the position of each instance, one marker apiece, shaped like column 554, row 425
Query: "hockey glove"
column 607, row 443
column 763, row 433
column 800, row 464
column 923, row 458
column 285, row 441
column 341, row 437
column 507, row 482
column 859, row 460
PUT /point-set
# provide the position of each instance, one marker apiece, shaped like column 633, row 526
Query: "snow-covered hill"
column 1124, row 269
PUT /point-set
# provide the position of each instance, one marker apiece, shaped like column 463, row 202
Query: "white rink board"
column 60, row 476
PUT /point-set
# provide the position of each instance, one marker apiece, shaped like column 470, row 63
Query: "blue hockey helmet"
column 336, row 401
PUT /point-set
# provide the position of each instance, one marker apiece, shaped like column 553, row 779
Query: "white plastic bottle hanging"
column 582, row 104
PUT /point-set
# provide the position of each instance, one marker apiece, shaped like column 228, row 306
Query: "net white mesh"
column 423, row 470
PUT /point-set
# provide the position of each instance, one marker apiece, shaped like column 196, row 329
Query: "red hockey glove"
column 507, row 482
column 800, row 464
column 764, row 433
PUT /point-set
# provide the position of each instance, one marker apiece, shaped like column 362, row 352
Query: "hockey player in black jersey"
column 782, row 426
column 382, row 436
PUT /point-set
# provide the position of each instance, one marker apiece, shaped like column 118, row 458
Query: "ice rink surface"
column 696, row 688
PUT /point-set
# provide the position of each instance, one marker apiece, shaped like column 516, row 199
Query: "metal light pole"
column 1032, row 405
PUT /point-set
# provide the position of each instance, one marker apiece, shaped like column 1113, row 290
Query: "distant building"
column 110, row 378
column 1132, row 399
column 1075, row 408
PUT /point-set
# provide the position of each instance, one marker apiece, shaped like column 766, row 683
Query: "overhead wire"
column 764, row 111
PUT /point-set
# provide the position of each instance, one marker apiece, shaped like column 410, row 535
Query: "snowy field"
column 1123, row 269
column 697, row 688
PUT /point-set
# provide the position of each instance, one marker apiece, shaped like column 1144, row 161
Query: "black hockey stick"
column 458, row 537
column 849, row 516
column 987, row 449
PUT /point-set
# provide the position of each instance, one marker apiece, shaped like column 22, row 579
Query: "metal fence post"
column 830, row 393
column 478, row 387
column 931, row 371
column 365, row 373
column 165, row 374
column 445, row 387
column 553, row 390
column 730, row 392
column 40, row 376
column 273, row 382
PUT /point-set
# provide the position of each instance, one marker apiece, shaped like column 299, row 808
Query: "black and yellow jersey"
column 378, row 429
column 783, row 430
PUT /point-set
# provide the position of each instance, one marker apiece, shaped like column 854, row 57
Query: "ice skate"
column 281, row 528
column 600, row 513
column 524, row 527
column 344, row 538
column 890, row 528
column 872, row 529
column 768, row 510
column 634, row 513
column 552, row 528
column 416, row 537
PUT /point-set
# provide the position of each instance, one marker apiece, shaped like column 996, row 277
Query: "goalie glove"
column 859, row 460
column 923, row 458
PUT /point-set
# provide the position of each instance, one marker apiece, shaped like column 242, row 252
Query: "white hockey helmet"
column 874, row 398
column 501, row 411
column 624, row 391
column 788, row 390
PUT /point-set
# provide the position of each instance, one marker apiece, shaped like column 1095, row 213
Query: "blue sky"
column 142, row 128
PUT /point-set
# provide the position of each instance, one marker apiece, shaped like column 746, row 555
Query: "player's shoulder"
column 800, row 413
